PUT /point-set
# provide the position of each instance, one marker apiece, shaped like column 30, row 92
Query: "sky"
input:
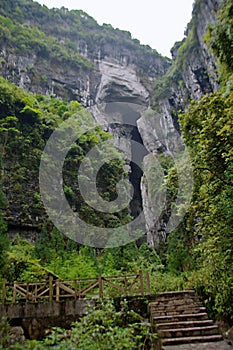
column 157, row 23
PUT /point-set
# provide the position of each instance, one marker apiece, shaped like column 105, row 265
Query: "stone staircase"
column 180, row 318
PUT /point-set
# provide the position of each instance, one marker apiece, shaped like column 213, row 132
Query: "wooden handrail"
column 57, row 290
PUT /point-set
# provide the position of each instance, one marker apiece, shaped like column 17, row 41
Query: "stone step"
column 176, row 302
column 172, row 307
column 179, row 318
column 175, row 311
column 188, row 332
column 183, row 324
column 176, row 294
column 189, row 340
column 178, row 297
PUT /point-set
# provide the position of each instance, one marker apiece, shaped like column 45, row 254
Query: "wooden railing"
column 57, row 290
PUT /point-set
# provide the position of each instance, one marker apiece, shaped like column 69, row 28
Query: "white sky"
column 158, row 23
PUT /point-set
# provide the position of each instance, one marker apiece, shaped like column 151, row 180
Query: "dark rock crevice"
column 136, row 172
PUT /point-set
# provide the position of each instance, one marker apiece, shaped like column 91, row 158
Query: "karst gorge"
column 168, row 127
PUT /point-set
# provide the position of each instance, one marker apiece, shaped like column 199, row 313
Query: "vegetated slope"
column 26, row 123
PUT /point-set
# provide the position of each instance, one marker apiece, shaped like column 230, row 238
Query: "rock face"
column 87, row 86
column 30, row 73
column 194, row 72
column 120, row 83
column 120, row 99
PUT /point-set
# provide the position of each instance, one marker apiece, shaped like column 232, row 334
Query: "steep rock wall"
column 121, row 98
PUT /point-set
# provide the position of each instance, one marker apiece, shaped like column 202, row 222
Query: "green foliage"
column 4, row 239
column 4, row 335
column 78, row 264
column 4, row 243
column 148, row 259
column 33, row 118
column 27, row 40
column 178, row 255
column 168, row 281
column 21, row 265
column 221, row 37
column 71, row 262
column 207, row 128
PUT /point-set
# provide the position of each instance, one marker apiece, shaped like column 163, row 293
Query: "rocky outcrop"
column 194, row 70
column 31, row 73
column 121, row 98
column 120, row 83
column 16, row 336
column 86, row 85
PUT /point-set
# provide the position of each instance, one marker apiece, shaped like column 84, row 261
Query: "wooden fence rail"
column 57, row 290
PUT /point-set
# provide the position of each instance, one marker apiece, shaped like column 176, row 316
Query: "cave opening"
column 136, row 173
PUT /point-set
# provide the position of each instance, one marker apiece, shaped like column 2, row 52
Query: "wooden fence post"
column 141, row 282
column 125, row 286
column 35, row 294
column 75, row 289
column 27, row 295
column 14, row 293
column 79, row 288
column 50, row 288
column 101, row 287
column 3, row 291
column 148, row 282
column 57, row 290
